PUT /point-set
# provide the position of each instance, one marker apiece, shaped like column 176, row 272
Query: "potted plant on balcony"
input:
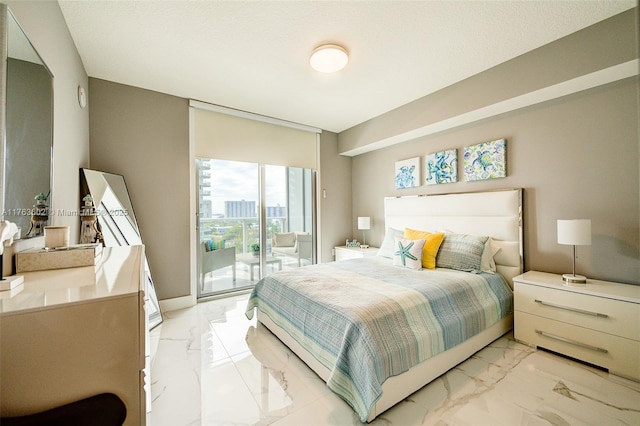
column 255, row 249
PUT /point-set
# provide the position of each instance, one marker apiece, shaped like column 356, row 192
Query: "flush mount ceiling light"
column 329, row 58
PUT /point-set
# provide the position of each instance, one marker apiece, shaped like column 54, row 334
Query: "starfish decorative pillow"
column 408, row 253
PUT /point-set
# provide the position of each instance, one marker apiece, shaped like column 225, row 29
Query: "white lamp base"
column 364, row 246
column 9, row 283
column 574, row 280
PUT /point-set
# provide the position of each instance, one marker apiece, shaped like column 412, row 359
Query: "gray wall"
column 335, row 202
column 144, row 136
column 576, row 157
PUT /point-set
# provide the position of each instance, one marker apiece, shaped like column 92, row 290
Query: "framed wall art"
column 407, row 173
column 486, row 160
column 441, row 167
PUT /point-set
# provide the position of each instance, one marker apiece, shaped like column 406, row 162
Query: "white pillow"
column 408, row 253
column 487, row 262
column 388, row 246
column 509, row 254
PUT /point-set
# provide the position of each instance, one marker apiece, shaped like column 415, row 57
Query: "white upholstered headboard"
column 497, row 214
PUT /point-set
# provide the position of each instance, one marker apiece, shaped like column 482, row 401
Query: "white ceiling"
column 254, row 55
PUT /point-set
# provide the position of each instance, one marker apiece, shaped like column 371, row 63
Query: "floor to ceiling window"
column 255, row 200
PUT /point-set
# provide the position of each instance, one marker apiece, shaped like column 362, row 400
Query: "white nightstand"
column 344, row 252
column 598, row 323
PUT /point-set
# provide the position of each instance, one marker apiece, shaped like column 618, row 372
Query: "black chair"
column 105, row 409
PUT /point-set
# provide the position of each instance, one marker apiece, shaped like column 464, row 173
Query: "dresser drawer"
column 610, row 316
column 619, row 355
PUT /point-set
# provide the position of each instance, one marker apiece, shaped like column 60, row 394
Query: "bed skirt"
column 397, row 388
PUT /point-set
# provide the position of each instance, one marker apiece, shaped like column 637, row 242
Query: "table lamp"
column 575, row 232
column 364, row 224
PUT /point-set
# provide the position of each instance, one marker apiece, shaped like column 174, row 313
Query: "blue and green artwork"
column 486, row 160
column 408, row 173
column 441, row 167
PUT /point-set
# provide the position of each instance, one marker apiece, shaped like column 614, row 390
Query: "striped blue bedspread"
column 366, row 320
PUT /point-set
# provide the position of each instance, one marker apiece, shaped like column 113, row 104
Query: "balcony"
column 241, row 233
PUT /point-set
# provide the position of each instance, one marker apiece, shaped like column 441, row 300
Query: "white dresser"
column 598, row 323
column 344, row 252
column 68, row 334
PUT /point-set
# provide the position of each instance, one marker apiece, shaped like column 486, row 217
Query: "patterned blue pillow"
column 215, row 244
column 408, row 253
column 461, row 252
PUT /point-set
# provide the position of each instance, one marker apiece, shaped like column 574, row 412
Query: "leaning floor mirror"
column 116, row 223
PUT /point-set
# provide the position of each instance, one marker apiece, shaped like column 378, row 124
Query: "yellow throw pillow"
column 431, row 245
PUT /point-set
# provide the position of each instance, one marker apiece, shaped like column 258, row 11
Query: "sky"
column 236, row 181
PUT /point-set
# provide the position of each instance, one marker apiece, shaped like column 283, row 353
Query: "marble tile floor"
column 212, row 366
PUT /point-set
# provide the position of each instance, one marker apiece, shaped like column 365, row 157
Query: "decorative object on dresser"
column 40, row 216
column 56, row 237
column 354, row 252
column 364, row 224
column 44, row 259
column 88, row 221
column 576, row 232
column 7, row 231
column 598, row 324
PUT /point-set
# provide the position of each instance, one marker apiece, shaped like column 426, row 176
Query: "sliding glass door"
column 253, row 220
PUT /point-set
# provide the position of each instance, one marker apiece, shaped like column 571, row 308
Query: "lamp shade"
column 364, row 222
column 575, row 232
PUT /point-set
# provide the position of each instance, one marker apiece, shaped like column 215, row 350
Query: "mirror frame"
column 4, row 53
column 5, row 16
column 154, row 312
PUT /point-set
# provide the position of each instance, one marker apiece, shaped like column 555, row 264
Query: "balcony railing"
column 240, row 232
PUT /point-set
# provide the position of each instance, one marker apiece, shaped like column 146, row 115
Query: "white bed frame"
column 495, row 213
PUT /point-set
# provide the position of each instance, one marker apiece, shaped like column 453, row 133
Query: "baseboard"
column 168, row 305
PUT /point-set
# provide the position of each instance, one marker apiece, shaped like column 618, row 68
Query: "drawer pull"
column 569, row 308
column 573, row 342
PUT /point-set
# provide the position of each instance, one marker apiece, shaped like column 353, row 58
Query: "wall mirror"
column 117, row 223
column 26, row 124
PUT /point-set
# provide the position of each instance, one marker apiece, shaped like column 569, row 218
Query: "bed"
column 376, row 329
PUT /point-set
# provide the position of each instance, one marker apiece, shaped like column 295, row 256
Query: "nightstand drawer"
column 617, row 354
column 343, row 254
column 346, row 253
column 598, row 313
